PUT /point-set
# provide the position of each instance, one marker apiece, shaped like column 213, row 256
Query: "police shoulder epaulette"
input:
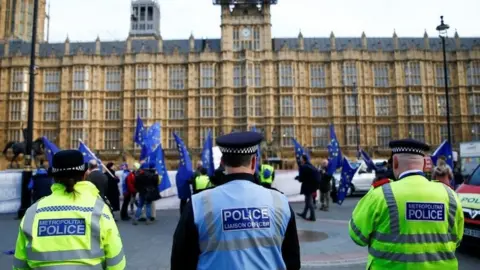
column 381, row 182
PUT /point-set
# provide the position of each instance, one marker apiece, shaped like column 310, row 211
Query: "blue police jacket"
column 41, row 184
column 241, row 225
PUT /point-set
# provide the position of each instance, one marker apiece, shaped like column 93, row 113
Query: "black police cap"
column 409, row 146
column 239, row 143
column 66, row 162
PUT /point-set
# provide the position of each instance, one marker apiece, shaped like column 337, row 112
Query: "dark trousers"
column 124, row 210
column 183, row 203
column 309, row 206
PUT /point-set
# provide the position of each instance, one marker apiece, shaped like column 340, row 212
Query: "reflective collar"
column 80, row 187
column 410, row 173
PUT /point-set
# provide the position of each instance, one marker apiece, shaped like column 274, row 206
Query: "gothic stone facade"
column 16, row 17
column 286, row 87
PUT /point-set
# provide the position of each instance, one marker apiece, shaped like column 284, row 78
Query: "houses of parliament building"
column 285, row 87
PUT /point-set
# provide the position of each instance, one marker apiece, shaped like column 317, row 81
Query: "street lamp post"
column 357, row 128
column 442, row 30
column 27, row 172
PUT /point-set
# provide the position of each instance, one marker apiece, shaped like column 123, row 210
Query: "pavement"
column 325, row 244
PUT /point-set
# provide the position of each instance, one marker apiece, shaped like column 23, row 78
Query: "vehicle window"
column 475, row 177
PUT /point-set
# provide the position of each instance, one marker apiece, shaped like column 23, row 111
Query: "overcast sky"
column 84, row 20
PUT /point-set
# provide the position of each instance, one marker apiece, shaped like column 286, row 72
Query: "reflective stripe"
column 412, row 257
column 392, row 209
column 20, row 263
column 213, row 244
column 116, row 260
column 452, row 211
column 66, row 255
column 358, row 233
column 414, row 238
column 70, row 267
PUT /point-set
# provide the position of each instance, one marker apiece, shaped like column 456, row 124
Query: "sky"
column 84, row 20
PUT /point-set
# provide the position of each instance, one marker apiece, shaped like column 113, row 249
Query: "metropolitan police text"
column 425, row 211
column 58, row 227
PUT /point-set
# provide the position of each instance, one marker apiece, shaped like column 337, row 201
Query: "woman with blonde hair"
column 442, row 173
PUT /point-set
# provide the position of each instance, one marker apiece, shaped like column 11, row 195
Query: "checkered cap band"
column 399, row 150
column 80, row 168
column 239, row 151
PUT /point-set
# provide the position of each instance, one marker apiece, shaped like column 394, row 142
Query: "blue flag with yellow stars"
column 445, row 150
column 87, row 154
column 299, row 151
column 152, row 139
column 334, row 154
column 185, row 170
column 346, row 180
column 207, row 155
column 368, row 161
column 140, row 132
column 162, row 170
column 50, row 150
column 259, row 154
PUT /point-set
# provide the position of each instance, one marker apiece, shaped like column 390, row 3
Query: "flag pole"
column 106, row 169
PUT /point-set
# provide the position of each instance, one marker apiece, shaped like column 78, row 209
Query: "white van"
column 363, row 179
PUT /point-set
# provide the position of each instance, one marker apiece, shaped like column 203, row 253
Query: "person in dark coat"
column 325, row 185
column 41, row 183
column 219, row 175
column 308, row 175
column 97, row 178
column 112, row 192
column 146, row 182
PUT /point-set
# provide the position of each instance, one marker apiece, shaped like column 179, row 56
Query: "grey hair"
column 92, row 164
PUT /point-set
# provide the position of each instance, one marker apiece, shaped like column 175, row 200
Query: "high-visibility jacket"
column 263, row 179
column 409, row 224
column 202, row 182
column 241, row 225
column 65, row 230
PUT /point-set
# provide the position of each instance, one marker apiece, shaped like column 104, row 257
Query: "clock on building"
column 246, row 32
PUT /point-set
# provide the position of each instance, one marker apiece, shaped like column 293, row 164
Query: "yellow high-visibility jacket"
column 69, row 230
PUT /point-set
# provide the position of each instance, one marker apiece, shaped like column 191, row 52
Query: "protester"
column 112, row 193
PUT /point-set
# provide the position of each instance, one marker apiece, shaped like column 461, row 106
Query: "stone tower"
column 145, row 18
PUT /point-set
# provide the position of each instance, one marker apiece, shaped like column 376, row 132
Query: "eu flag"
column 299, row 151
column 185, row 171
column 207, row 154
column 259, row 154
column 346, row 180
column 162, row 170
column 152, row 139
column 140, row 132
column 334, row 154
column 144, row 152
column 445, row 149
column 368, row 161
column 87, row 154
column 50, row 150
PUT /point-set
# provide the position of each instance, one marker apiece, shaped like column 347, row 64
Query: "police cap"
column 67, row 162
column 409, row 146
column 239, row 143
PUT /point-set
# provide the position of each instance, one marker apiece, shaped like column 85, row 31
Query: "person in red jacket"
column 129, row 193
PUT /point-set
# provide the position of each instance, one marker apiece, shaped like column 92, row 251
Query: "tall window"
column 255, row 106
column 18, row 110
column 15, row 135
column 288, row 133
column 351, row 135
column 79, row 109
column 319, row 106
column 177, row 76
column 384, row 135
column 440, row 75
column 417, row 132
column 254, row 75
column 380, row 72
column 415, row 104
column 239, row 75
column 443, row 130
column 236, row 39
column 473, row 73
column 207, row 75
column 412, row 73
column 350, row 104
column 239, row 106
column 320, row 136
column 207, row 107
column 112, row 139
column 382, row 106
column 112, row 109
column 75, row 134
column 442, row 105
column 256, row 39
column 286, row 75
column 113, row 79
column 349, row 73
column 172, row 144
column 143, row 108
column 51, row 81
column 51, row 134
column 80, row 78
column 317, row 76
column 143, row 78
column 474, row 104
column 50, row 111
column 287, row 106
column 19, row 80
column 176, row 108
column 204, row 133
column 475, row 132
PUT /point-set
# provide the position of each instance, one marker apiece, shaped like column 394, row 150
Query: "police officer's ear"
column 395, row 162
column 253, row 162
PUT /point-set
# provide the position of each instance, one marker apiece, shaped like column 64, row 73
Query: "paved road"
column 325, row 244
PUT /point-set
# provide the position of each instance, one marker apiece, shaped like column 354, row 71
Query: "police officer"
column 239, row 224
column 202, row 181
column 266, row 175
column 72, row 228
column 411, row 223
